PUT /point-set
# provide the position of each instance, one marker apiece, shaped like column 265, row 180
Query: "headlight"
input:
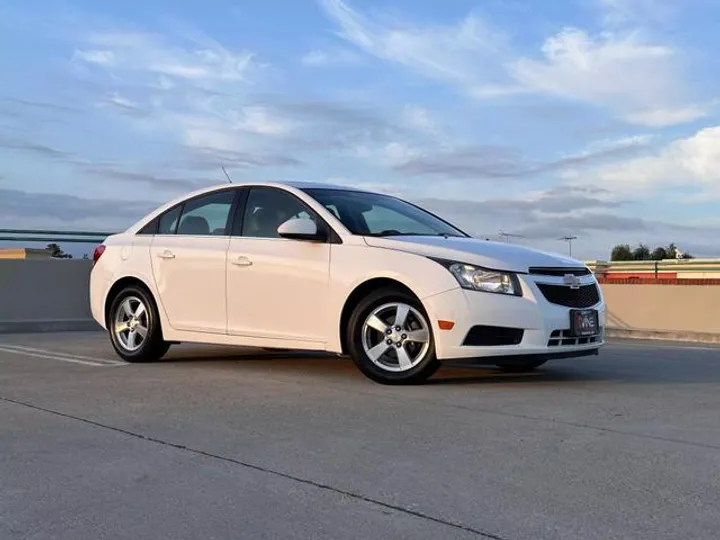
column 482, row 279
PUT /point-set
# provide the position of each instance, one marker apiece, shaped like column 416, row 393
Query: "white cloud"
column 637, row 79
column 459, row 53
column 624, row 12
column 607, row 145
column 193, row 85
column 490, row 91
column 386, row 154
column 225, row 128
column 691, row 163
column 121, row 101
column 122, row 104
column 258, row 119
column 197, row 133
column 366, row 185
column 667, row 117
column 100, row 58
column 151, row 54
column 419, row 118
column 330, row 57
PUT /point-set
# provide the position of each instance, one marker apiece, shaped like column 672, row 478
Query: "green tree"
column 641, row 253
column 622, row 252
column 57, row 252
column 659, row 253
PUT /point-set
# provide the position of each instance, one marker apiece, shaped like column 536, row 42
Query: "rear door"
column 189, row 261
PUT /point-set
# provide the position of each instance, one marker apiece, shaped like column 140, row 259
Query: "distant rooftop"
column 24, row 253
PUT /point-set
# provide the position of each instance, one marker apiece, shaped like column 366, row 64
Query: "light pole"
column 507, row 235
column 569, row 240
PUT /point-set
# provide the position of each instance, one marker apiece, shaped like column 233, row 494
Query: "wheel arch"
column 119, row 285
column 357, row 294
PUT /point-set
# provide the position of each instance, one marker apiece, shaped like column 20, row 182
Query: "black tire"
column 153, row 347
column 427, row 362
column 521, row 367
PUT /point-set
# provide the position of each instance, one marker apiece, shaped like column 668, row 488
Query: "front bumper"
column 545, row 326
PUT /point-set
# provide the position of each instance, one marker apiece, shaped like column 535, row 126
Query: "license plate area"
column 584, row 322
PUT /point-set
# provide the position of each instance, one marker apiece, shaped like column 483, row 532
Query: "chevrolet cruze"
column 342, row 270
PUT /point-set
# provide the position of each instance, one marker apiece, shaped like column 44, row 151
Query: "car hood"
column 492, row 255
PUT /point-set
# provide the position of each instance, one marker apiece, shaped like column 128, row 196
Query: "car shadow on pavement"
column 636, row 367
column 456, row 375
column 329, row 366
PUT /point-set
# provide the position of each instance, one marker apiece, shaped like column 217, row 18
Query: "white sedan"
column 337, row 269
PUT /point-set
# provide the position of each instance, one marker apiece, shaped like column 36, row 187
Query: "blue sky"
column 596, row 118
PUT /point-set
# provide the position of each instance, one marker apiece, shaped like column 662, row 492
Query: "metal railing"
column 42, row 235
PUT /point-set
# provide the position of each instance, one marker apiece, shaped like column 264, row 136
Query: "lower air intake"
column 493, row 336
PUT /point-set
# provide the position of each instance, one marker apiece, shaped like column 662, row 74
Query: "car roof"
column 292, row 184
column 322, row 185
column 247, row 183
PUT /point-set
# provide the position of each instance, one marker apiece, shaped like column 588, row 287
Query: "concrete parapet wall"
column 52, row 295
column 661, row 269
column 45, row 295
column 675, row 310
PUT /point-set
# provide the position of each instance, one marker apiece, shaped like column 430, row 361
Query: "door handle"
column 242, row 261
column 167, row 254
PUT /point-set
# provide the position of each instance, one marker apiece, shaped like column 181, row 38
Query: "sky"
column 598, row 119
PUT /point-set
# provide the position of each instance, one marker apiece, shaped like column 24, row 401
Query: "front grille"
column 493, row 336
column 559, row 272
column 583, row 297
column 562, row 338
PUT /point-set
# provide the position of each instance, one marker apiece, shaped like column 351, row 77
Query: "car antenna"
column 226, row 173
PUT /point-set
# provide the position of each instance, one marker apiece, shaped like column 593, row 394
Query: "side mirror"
column 301, row 229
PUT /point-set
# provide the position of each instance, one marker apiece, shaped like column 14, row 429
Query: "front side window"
column 267, row 209
column 169, row 221
column 207, row 215
column 374, row 214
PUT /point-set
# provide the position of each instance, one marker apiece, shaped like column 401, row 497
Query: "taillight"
column 98, row 253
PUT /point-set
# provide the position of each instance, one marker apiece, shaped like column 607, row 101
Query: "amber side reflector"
column 446, row 325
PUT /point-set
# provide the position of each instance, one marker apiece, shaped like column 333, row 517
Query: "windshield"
column 373, row 214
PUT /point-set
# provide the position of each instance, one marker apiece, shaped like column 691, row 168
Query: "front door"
column 277, row 288
column 189, row 262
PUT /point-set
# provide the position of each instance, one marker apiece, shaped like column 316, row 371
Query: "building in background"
column 672, row 269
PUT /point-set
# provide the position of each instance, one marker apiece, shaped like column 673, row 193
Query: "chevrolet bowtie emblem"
column 572, row 281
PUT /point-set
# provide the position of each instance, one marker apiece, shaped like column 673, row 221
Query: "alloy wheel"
column 395, row 337
column 131, row 324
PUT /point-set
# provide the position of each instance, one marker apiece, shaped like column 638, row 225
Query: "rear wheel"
column 390, row 339
column 134, row 326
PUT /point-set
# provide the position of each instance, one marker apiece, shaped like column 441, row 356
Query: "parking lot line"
column 56, row 355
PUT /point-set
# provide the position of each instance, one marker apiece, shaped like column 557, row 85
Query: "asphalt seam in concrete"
column 260, row 468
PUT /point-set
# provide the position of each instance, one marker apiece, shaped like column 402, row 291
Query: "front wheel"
column 390, row 338
column 134, row 326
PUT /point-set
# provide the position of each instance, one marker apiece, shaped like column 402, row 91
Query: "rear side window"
column 207, row 215
column 169, row 221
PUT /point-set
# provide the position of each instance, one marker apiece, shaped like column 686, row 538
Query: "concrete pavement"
column 228, row 444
